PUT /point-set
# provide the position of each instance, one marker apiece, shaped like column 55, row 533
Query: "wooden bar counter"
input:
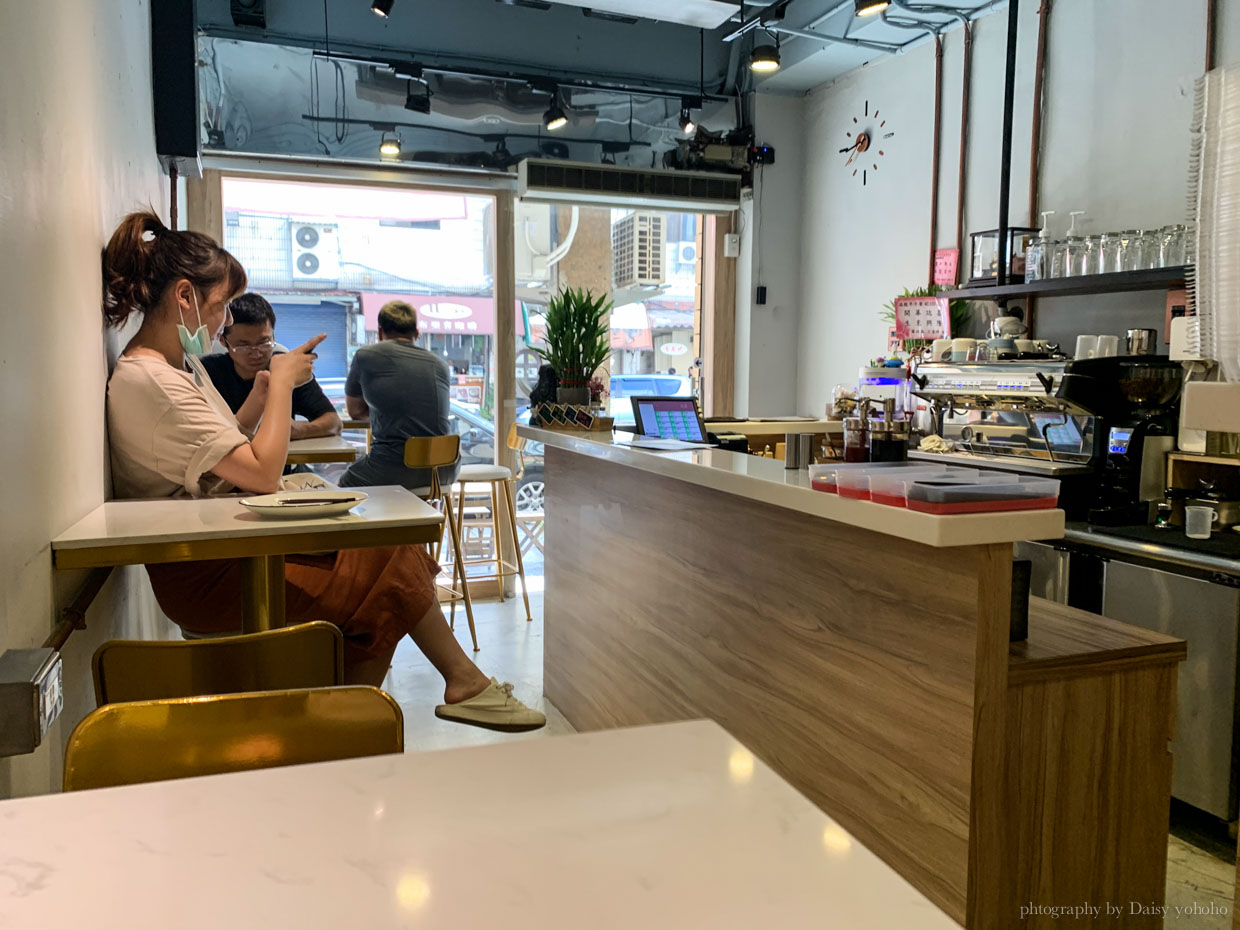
column 862, row 651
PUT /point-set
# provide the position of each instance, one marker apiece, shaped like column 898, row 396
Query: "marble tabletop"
column 766, row 480
column 321, row 449
column 667, row 826
column 138, row 531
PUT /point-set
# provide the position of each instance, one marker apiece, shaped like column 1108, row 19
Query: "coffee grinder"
column 1136, row 400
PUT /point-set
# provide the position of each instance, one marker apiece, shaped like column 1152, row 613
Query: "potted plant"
column 578, row 341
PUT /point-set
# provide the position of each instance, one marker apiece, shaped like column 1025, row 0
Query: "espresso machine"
column 1137, row 399
column 1101, row 426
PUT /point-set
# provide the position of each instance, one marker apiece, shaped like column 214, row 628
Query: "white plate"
column 304, row 504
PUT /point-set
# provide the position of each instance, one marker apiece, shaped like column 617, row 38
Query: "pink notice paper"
column 922, row 318
column 945, row 264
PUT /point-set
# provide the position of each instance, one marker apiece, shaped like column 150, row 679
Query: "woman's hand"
column 296, row 367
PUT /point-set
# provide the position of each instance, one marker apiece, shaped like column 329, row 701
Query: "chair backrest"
column 125, row 744
column 517, row 444
column 433, row 452
column 309, row 655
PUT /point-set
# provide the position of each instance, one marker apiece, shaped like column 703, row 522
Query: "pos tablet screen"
column 669, row 418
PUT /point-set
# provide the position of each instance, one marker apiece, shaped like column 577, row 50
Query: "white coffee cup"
column 961, row 349
column 1108, row 346
column 1199, row 521
column 1086, row 347
column 941, row 350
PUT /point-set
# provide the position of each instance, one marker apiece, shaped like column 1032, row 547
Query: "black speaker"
column 174, row 85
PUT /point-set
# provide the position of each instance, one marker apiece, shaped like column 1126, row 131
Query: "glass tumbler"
column 1057, row 259
column 1129, row 250
column 1074, row 261
column 1171, row 247
column 1035, row 262
column 1091, row 257
column 1151, row 243
column 1109, row 259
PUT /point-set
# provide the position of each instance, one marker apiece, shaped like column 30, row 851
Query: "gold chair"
column 125, row 744
column 529, row 523
column 434, row 453
column 309, row 655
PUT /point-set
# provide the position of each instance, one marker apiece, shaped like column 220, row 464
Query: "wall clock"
column 867, row 141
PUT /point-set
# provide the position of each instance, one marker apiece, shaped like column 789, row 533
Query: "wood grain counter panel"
column 668, row 601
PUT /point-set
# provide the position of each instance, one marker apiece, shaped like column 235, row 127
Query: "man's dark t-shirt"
column 309, row 401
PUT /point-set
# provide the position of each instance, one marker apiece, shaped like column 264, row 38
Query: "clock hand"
column 849, row 149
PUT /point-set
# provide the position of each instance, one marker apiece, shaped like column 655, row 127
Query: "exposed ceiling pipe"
column 823, row 37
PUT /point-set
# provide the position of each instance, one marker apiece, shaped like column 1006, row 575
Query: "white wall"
column 76, row 153
column 770, row 223
column 1118, row 99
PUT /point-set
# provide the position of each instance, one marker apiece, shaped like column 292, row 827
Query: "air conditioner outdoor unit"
column 637, row 250
column 686, row 253
column 550, row 181
column 316, row 254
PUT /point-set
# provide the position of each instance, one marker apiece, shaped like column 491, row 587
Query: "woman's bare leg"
column 462, row 679
column 367, row 670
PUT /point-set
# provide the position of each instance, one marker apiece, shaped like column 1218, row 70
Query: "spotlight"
column 764, row 58
column 554, row 118
column 418, row 103
column 390, row 145
column 687, row 126
column 870, row 7
column 383, row 8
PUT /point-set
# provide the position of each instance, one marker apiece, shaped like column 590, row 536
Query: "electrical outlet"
column 732, row 245
column 31, row 698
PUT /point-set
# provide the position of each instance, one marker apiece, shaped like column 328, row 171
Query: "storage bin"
column 858, row 484
column 930, row 495
column 892, row 489
column 823, row 477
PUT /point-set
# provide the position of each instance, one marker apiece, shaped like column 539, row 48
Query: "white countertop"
column 766, row 480
column 179, row 520
column 657, row 827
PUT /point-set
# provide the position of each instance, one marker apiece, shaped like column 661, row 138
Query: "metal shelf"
column 1152, row 279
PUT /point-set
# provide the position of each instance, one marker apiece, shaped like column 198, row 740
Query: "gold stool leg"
column 454, row 529
column 511, row 500
column 495, row 550
column 262, row 593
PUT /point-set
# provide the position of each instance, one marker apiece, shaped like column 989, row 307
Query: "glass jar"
column 889, row 441
column 1130, row 250
column 1035, row 263
column 1171, row 246
column 856, row 439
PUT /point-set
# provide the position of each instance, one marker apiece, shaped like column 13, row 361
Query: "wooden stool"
column 435, row 452
column 500, row 481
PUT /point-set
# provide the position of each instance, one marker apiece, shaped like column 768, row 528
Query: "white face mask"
column 200, row 342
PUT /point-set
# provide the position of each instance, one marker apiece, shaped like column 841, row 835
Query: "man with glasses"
column 240, row 372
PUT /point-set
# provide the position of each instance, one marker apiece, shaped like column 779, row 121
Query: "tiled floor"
column 1197, row 882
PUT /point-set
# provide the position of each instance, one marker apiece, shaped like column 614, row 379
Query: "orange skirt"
column 375, row 596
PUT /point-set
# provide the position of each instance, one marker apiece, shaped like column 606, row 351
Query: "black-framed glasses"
column 262, row 348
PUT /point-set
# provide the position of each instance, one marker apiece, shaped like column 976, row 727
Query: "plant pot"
column 576, row 396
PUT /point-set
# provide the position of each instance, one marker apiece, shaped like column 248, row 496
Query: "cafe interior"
column 837, row 517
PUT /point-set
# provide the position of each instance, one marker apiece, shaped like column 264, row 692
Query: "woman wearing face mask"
column 172, row 435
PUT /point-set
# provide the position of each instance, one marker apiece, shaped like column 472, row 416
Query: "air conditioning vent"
column 316, row 254
column 637, row 251
column 548, row 180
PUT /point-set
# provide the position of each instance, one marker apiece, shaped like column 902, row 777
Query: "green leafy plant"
column 578, row 335
column 957, row 311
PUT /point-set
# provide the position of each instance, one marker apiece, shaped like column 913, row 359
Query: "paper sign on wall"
column 945, row 264
column 895, row 345
column 922, row 318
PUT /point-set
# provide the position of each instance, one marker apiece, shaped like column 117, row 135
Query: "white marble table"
column 178, row 530
column 671, row 826
column 321, row 449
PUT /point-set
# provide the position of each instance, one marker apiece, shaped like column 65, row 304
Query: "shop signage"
column 674, row 348
column 443, row 311
column 922, row 318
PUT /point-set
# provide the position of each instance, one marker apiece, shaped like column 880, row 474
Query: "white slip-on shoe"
column 495, row 709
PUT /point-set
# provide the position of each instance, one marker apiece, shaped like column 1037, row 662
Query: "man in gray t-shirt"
column 405, row 391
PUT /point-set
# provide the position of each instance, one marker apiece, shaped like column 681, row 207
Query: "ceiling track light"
column 687, row 126
column 870, row 7
column 764, row 58
column 382, row 8
column 555, row 117
column 389, row 145
column 418, row 102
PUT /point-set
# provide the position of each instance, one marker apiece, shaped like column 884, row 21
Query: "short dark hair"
column 398, row 318
column 250, row 309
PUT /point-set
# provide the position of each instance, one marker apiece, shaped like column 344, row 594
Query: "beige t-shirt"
column 166, row 431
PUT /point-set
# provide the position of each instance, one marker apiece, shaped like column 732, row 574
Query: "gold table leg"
column 262, row 593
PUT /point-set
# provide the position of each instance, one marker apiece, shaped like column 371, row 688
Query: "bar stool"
column 500, row 480
column 434, row 453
